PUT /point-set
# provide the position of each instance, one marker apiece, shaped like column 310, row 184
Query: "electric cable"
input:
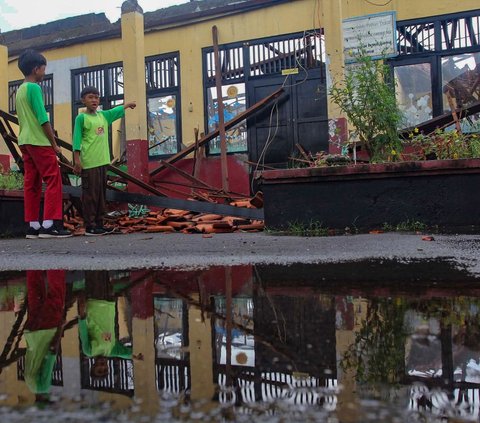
column 379, row 5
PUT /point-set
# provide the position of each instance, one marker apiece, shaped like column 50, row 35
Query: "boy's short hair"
column 89, row 90
column 29, row 60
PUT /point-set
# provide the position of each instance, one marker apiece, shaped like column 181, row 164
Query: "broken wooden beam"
column 220, row 110
column 441, row 121
column 174, row 203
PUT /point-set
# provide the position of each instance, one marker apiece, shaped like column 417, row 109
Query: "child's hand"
column 57, row 149
column 130, row 105
column 77, row 168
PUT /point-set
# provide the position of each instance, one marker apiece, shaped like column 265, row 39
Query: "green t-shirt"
column 31, row 115
column 90, row 136
column 97, row 331
column 39, row 360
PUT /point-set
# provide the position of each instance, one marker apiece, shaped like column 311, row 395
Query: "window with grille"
column 163, row 104
column 162, row 72
column 47, row 89
column 269, row 56
column 438, row 67
column 439, row 34
column 108, row 79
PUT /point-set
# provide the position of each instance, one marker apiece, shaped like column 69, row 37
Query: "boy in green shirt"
column 97, row 323
column 91, row 155
column 39, row 153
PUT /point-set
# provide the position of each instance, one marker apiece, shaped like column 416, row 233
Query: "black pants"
column 94, row 187
column 98, row 285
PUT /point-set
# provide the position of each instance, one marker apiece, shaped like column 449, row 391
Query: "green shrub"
column 11, row 181
column 367, row 97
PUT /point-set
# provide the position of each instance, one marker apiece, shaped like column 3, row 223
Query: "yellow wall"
column 295, row 16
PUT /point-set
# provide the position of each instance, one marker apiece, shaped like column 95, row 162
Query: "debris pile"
column 174, row 220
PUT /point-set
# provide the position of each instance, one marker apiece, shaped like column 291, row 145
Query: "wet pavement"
column 244, row 327
column 187, row 251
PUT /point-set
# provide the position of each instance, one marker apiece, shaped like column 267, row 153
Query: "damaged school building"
column 276, row 59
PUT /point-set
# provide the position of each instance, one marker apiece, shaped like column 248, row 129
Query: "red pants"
column 40, row 164
column 45, row 299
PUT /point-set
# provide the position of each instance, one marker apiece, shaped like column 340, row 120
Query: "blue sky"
column 16, row 14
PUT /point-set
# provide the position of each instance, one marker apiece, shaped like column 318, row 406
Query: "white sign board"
column 375, row 34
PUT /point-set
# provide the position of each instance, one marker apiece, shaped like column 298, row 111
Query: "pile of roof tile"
column 173, row 220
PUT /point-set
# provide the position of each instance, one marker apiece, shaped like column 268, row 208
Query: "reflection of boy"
column 43, row 329
column 92, row 155
column 97, row 323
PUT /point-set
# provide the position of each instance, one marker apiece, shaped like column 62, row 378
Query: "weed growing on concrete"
column 405, row 226
column 314, row 228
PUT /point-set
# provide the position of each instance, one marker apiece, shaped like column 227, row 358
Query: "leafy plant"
column 367, row 97
column 442, row 145
column 11, row 181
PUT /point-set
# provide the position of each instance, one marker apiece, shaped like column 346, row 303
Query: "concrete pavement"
column 141, row 250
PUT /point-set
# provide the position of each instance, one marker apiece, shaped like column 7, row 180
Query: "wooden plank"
column 451, row 104
column 230, row 124
column 174, row 203
column 196, row 153
column 303, row 152
column 220, row 110
column 135, row 181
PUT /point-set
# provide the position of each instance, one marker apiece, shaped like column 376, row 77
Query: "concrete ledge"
column 437, row 193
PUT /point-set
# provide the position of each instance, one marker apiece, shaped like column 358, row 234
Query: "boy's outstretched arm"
column 117, row 112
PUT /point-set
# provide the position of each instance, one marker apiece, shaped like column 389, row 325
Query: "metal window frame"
column 247, row 64
column 439, row 25
column 435, row 56
column 166, row 91
column 107, row 89
column 48, row 98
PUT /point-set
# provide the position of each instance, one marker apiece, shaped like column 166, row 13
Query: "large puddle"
column 360, row 342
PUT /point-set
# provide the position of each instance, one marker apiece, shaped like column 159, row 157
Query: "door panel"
column 301, row 118
column 269, row 122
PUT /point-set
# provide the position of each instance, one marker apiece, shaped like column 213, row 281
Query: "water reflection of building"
column 248, row 336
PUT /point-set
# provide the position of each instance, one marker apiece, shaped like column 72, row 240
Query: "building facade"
column 263, row 45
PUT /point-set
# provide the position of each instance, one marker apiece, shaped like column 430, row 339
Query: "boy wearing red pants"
column 44, row 328
column 39, row 152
